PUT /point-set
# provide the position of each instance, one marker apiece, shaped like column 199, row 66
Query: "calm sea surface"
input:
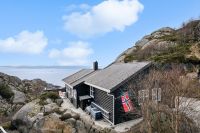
column 52, row 75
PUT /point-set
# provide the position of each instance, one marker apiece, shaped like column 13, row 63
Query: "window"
column 143, row 95
column 156, row 94
column 91, row 91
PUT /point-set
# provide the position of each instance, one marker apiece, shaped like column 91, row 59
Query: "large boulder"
column 49, row 108
column 88, row 122
column 76, row 116
column 24, row 119
column 71, row 121
column 80, row 127
column 19, row 97
column 15, row 81
column 39, row 121
column 59, row 101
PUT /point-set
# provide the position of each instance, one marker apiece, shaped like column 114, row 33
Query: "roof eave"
column 69, row 85
column 98, row 87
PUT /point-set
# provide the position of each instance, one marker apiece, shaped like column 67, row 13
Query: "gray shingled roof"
column 113, row 75
column 78, row 77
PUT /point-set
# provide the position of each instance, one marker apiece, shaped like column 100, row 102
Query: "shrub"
column 43, row 102
column 7, row 125
column 171, row 37
column 51, row 95
column 6, row 92
column 175, row 54
column 129, row 58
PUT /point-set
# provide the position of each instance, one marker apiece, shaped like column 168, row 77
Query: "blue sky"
column 69, row 32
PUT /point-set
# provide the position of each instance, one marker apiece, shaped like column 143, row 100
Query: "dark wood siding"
column 105, row 101
column 131, row 86
column 82, row 90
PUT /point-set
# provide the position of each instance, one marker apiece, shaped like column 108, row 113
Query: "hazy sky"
column 78, row 32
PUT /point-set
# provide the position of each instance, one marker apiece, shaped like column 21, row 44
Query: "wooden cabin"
column 105, row 89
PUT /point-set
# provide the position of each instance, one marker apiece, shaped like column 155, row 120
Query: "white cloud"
column 25, row 42
column 74, row 7
column 76, row 53
column 105, row 17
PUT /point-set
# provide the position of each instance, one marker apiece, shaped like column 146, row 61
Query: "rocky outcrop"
column 25, row 118
column 153, row 40
column 156, row 46
column 24, row 91
column 33, row 117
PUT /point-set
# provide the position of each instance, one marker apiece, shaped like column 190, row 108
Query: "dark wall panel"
column 102, row 99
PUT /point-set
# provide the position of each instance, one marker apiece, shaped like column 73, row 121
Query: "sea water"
column 52, row 75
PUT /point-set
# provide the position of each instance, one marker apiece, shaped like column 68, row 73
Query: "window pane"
column 159, row 94
column 154, row 94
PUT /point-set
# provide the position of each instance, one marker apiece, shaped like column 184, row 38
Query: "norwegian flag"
column 126, row 102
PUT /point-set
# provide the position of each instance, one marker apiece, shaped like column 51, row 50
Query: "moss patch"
column 6, row 92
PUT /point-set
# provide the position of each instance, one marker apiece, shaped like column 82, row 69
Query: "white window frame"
column 156, row 94
column 92, row 91
column 143, row 95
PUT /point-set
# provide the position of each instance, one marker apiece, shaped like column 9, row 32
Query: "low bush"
column 52, row 95
column 7, row 125
column 171, row 37
column 43, row 102
column 129, row 58
column 175, row 54
column 6, row 92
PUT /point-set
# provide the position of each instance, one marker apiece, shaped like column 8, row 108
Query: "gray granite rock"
column 50, row 107
column 20, row 120
column 48, row 100
column 80, row 127
column 59, row 101
column 71, row 121
column 76, row 116
column 19, row 97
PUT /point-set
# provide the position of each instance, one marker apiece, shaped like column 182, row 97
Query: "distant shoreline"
column 45, row 67
column 50, row 74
